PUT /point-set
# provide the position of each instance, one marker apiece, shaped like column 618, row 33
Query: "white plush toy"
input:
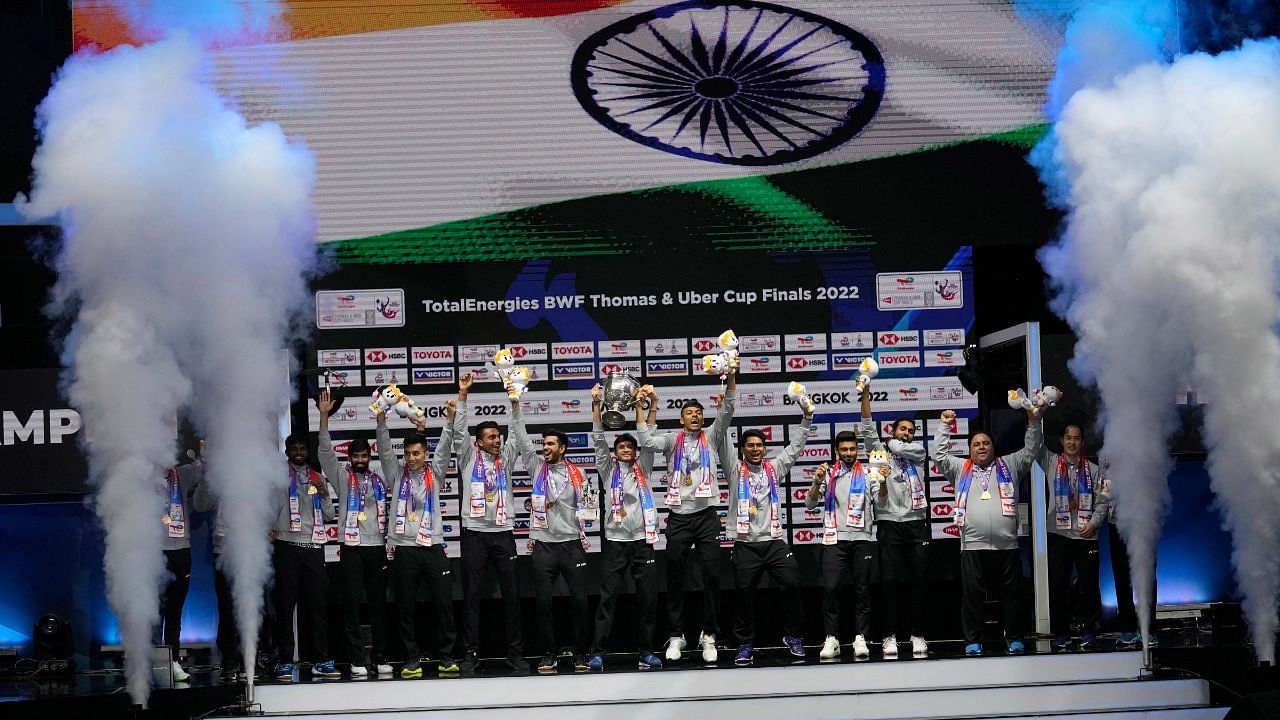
column 800, row 395
column 515, row 380
column 878, row 462
column 390, row 400
column 726, row 360
column 867, row 369
column 1045, row 397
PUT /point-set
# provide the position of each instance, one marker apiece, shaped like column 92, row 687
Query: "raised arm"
column 720, row 428
column 519, row 439
column 789, row 454
column 386, row 453
column 328, row 458
column 648, row 432
column 604, row 459
column 1033, row 444
column 867, row 428
column 444, row 445
column 814, row 496
column 949, row 464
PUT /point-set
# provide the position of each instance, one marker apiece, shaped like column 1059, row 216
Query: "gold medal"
column 622, row 512
column 986, row 495
column 311, row 490
column 490, row 496
column 362, row 517
column 413, row 517
column 167, row 520
column 688, row 480
column 551, row 504
column 752, row 511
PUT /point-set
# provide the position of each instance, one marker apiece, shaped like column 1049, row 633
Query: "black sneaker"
column 580, row 663
column 470, row 662
column 548, row 665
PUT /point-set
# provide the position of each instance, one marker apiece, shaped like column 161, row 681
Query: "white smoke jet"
column 1167, row 273
column 187, row 238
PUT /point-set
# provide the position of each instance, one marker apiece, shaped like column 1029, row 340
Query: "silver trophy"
column 619, row 398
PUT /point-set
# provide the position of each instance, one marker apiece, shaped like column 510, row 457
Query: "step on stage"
column 1074, row 686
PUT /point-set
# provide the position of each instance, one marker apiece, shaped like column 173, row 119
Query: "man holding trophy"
column 693, row 492
column 630, row 517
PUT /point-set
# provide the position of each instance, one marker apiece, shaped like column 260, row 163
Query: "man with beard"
column 902, row 528
column 988, row 521
column 362, row 520
column 849, row 494
column 298, row 559
column 693, row 494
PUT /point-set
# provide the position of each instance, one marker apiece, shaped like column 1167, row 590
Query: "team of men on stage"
column 391, row 532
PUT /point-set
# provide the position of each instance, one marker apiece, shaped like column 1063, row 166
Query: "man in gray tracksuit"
column 693, row 494
column 986, row 508
column 485, row 467
column 630, row 529
column 415, row 533
column 757, row 502
column 180, row 481
column 558, row 509
column 1077, row 510
column 902, row 527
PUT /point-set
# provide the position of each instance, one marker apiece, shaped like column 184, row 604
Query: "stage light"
column 52, row 645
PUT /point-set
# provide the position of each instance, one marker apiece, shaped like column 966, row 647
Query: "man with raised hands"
column 902, row 528
column 693, row 494
column 756, row 491
column 488, row 539
column 986, row 509
column 630, row 530
column 1079, row 508
column 415, row 535
column 363, row 506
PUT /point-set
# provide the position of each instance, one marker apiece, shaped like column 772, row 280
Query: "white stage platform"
column 1074, row 686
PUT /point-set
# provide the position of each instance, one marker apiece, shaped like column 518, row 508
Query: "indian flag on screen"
column 442, row 118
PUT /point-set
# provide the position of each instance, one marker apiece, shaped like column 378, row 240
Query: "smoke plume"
column 187, row 238
column 1166, row 270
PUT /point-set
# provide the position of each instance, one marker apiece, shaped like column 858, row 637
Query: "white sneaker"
column 708, row 644
column 179, row 675
column 890, row 647
column 860, row 649
column 359, row 671
column 384, row 669
column 831, row 648
column 675, row 646
column 919, row 646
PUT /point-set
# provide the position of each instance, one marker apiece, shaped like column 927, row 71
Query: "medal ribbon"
column 357, row 491
column 1003, row 477
column 481, row 485
column 680, row 468
column 318, row 536
column 744, row 499
column 918, row 499
column 646, row 499
column 539, row 499
column 407, row 501
column 1062, row 494
column 176, row 519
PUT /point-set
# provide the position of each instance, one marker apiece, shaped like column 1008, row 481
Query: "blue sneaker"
column 284, row 671
column 1016, row 647
column 325, row 669
column 794, row 644
column 1088, row 642
column 1060, row 643
column 650, row 662
column 1127, row 640
column 1153, row 641
column 596, row 663
column 973, row 649
column 746, row 655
